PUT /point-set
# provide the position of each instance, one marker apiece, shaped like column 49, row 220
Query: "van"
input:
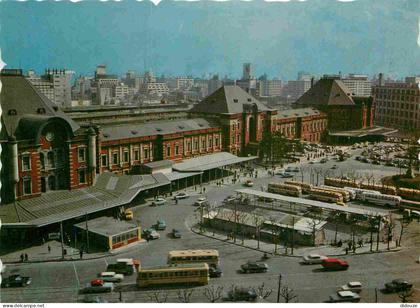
column 123, row 266
column 334, row 264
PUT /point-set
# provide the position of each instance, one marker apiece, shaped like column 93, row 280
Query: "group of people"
column 24, row 257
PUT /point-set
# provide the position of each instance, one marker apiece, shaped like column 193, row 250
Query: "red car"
column 97, row 282
column 334, row 264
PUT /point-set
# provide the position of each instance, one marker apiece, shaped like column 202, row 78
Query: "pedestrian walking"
column 148, row 238
column 21, row 258
column 26, row 257
column 49, row 248
column 347, row 251
column 204, row 189
column 81, row 254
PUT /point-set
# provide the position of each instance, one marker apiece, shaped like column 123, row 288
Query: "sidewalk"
column 265, row 247
column 37, row 254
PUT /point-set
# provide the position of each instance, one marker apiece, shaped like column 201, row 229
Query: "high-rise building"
column 296, row 88
column 247, row 71
column 398, row 104
column 359, row 85
column 214, row 84
column 268, row 88
column 54, row 84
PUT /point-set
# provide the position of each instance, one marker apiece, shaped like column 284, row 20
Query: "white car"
column 181, row 195
column 111, row 277
column 105, row 287
column 313, row 259
column 344, row 297
column 158, row 201
column 230, row 199
column 249, row 183
column 353, row 286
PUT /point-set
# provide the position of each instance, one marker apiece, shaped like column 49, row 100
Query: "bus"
column 410, row 203
column 306, row 188
column 337, row 182
column 359, row 192
column 346, row 194
column 285, row 189
column 197, row 273
column 410, row 194
column 209, row 256
column 389, row 190
column 381, row 199
column 326, row 196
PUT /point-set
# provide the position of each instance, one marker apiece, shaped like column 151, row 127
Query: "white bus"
column 380, row 199
column 359, row 192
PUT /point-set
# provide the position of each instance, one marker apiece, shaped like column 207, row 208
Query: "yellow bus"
column 337, row 182
column 346, row 195
column 209, row 256
column 384, row 189
column 197, row 274
column 327, row 196
column 411, row 194
column 306, row 188
column 285, row 189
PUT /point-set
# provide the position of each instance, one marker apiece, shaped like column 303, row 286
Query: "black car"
column 398, row 285
column 242, row 294
column 176, row 233
column 16, row 281
column 254, row 267
column 215, row 271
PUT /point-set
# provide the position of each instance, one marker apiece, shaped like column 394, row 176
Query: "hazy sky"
column 177, row 38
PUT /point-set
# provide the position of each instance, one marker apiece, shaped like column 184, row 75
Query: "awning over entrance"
column 109, row 191
column 211, row 161
column 175, row 175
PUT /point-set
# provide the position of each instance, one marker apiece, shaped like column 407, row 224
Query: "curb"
column 296, row 256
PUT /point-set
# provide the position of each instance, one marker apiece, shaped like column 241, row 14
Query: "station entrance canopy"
column 209, row 162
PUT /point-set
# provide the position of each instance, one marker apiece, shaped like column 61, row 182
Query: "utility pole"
column 293, row 232
column 87, row 234
column 278, row 290
column 62, row 239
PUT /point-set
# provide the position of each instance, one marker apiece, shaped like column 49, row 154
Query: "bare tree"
column 241, row 218
column 258, row 223
column 184, row 295
column 315, row 215
column 404, row 222
column 158, row 296
column 389, row 228
column 262, row 291
column 288, row 295
column 406, row 295
column 275, row 230
column 374, row 225
column 213, row 293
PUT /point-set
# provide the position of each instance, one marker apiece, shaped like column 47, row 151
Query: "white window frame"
column 26, row 155
column 79, row 158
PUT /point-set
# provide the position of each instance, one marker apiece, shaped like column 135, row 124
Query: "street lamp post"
column 278, row 290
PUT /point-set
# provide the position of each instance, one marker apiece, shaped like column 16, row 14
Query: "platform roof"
column 107, row 226
column 210, row 161
column 308, row 202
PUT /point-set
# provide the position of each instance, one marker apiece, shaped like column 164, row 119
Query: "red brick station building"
column 59, row 166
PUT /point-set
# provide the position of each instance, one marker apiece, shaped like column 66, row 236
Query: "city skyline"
column 174, row 38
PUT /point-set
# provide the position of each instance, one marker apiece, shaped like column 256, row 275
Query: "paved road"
column 60, row 282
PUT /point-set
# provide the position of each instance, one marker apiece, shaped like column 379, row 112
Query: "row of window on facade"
column 400, row 106
column 47, row 161
column 125, row 237
column 396, row 91
column 400, row 113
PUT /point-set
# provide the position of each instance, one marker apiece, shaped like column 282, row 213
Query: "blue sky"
column 177, row 38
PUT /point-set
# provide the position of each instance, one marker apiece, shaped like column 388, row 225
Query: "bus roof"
column 199, row 252
column 175, row 267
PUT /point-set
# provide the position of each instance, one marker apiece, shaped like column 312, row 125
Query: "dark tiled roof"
column 117, row 132
column 297, row 113
column 228, row 99
column 24, row 109
column 327, row 91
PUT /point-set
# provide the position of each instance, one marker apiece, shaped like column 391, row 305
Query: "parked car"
column 16, row 281
column 344, row 297
column 254, row 267
column 128, row 214
column 249, row 183
column 313, row 259
column 111, row 277
column 398, row 285
column 160, row 225
column 176, row 233
column 289, row 169
column 181, row 195
column 158, row 201
column 215, row 271
column 151, row 234
column 202, row 201
column 285, row 175
column 98, row 286
column 229, row 199
column 334, row 167
column 353, row 286
column 241, row 294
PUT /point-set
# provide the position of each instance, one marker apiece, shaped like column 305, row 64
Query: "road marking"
column 77, row 276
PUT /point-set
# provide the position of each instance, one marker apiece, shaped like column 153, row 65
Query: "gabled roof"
column 327, row 91
column 125, row 131
column 229, row 100
column 25, row 110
